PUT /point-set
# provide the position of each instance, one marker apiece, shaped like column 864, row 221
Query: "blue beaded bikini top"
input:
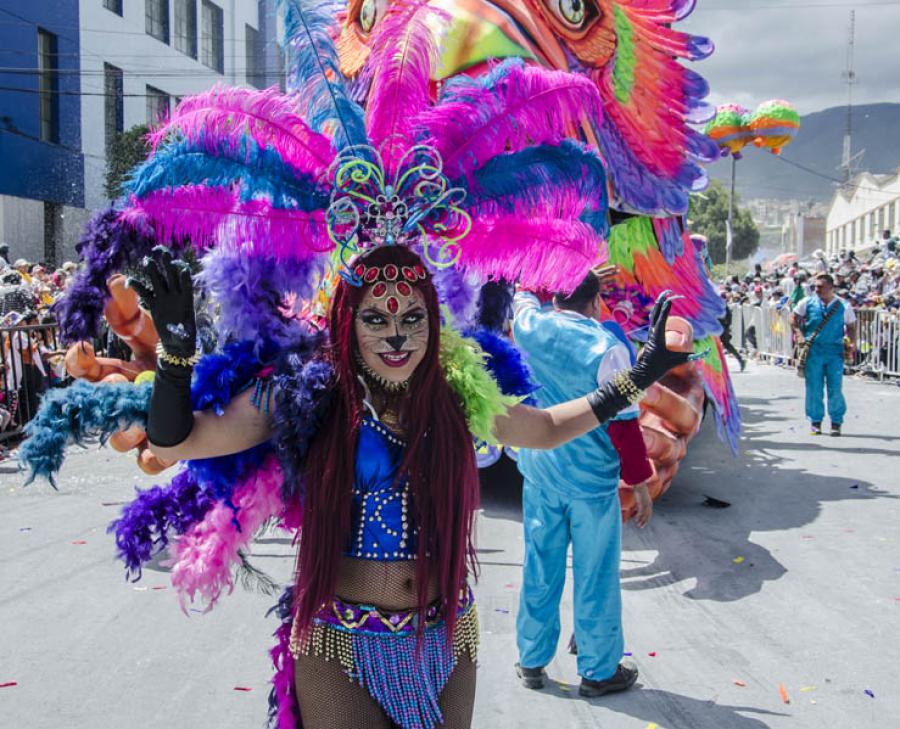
column 381, row 522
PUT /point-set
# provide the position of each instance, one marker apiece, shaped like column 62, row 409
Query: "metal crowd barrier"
column 766, row 331
column 29, row 365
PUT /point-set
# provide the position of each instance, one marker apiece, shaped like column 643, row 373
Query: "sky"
column 797, row 50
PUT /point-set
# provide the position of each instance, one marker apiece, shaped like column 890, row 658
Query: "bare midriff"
column 388, row 585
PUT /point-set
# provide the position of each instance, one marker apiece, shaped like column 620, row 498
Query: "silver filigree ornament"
column 419, row 204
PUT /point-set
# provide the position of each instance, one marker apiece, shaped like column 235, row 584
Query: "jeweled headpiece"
column 416, row 204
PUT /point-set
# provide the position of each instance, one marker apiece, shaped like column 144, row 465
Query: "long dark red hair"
column 439, row 461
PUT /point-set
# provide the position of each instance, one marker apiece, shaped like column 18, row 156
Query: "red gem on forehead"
column 404, row 289
column 420, row 272
column 379, row 289
column 408, row 273
column 371, row 275
column 393, row 305
column 391, row 272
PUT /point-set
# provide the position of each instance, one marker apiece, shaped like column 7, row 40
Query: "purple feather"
column 147, row 524
column 107, row 246
column 459, row 291
column 252, row 291
column 404, row 56
column 512, row 107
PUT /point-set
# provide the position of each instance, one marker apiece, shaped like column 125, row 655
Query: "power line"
column 836, row 180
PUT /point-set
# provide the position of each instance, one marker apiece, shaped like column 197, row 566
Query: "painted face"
column 392, row 330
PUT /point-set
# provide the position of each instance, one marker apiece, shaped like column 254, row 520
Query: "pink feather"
column 405, row 54
column 538, row 252
column 215, row 217
column 226, row 115
column 283, row 680
column 202, row 558
column 526, row 106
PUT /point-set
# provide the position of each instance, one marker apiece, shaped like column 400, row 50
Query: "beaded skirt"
column 378, row 649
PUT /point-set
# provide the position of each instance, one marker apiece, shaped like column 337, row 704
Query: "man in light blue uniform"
column 571, row 494
column 825, row 363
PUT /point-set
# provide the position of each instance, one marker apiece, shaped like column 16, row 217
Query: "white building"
column 138, row 57
column 802, row 234
column 861, row 212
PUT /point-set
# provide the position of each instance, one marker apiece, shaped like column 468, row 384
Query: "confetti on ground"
column 868, row 692
column 79, row 541
column 563, row 686
column 140, row 589
column 808, row 688
column 738, row 682
column 8, row 684
column 784, row 694
column 812, row 701
column 158, row 587
column 651, row 725
column 196, row 610
column 510, row 586
column 113, row 503
column 629, row 653
column 808, row 536
column 652, row 654
column 501, row 610
column 242, row 688
column 24, row 529
column 738, row 560
column 855, row 486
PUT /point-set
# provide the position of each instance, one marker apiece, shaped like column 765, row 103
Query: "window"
column 186, row 27
column 113, row 104
column 156, row 17
column 48, row 98
column 114, row 5
column 157, row 105
column 212, row 41
column 254, row 77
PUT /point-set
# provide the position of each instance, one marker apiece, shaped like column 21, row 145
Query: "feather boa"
column 463, row 362
column 251, row 291
column 506, row 364
column 284, row 711
column 202, row 558
column 512, row 107
column 143, row 530
column 107, row 246
column 303, row 387
column 78, row 412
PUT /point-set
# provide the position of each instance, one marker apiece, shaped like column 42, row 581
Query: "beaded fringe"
column 405, row 679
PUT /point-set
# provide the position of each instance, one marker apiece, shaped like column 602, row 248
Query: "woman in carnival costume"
column 373, row 416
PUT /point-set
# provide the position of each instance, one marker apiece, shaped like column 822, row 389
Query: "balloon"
column 774, row 125
column 730, row 129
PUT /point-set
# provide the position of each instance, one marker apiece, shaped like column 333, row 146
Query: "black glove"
column 654, row 361
column 169, row 298
column 655, row 358
column 168, row 294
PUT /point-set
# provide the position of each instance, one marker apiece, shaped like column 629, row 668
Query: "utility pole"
column 849, row 75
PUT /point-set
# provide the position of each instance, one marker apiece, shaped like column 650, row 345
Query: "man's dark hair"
column 826, row 277
column 583, row 295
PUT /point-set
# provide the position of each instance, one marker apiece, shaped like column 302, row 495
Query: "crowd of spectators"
column 871, row 280
column 32, row 360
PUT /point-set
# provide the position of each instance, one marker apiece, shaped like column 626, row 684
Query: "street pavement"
column 795, row 585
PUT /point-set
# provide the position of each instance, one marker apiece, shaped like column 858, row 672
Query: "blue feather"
column 258, row 172
column 315, row 72
column 506, row 364
column 527, row 178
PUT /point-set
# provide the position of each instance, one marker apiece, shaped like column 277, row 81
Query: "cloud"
column 797, row 50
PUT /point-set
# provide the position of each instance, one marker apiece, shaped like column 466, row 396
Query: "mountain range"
column 818, row 147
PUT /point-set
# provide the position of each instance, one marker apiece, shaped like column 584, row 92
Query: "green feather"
column 626, row 56
column 482, row 401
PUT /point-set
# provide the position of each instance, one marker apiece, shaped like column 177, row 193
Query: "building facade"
column 802, row 234
column 862, row 212
column 41, row 160
column 75, row 73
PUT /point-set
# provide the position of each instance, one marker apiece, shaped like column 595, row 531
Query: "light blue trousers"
column 594, row 527
column 825, row 370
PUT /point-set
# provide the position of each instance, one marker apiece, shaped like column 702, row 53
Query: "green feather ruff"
column 478, row 392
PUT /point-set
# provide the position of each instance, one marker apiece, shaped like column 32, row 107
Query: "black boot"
column 531, row 678
column 624, row 677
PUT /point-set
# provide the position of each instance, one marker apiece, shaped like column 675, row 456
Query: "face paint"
column 392, row 331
